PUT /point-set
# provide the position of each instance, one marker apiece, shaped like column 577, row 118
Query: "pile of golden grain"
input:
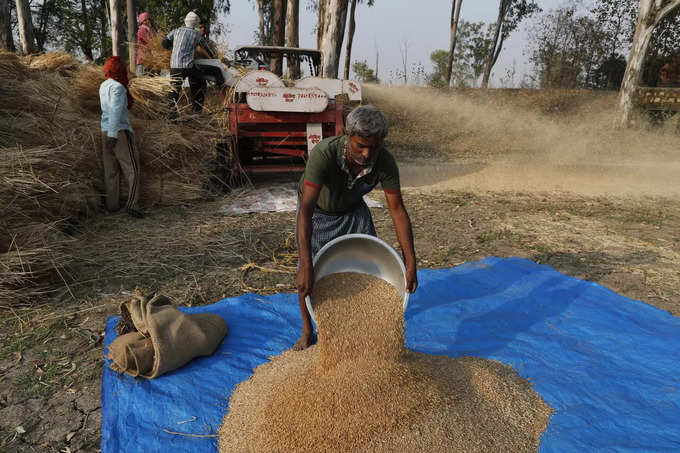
column 360, row 390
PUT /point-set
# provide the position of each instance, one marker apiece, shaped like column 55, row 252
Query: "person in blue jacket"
column 118, row 151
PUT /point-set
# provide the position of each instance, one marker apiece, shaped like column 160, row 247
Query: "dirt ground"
column 481, row 199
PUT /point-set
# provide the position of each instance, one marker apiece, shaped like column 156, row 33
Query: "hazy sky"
column 424, row 24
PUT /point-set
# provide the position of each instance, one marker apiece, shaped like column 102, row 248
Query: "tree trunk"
column 115, row 27
column 86, row 40
column 260, row 15
column 293, row 36
column 278, row 34
column 334, row 32
column 43, row 20
column 25, row 21
column 350, row 38
column 649, row 16
column 321, row 25
column 377, row 59
column 455, row 15
column 490, row 61
column 6, row 38
column 104, row 24
column 403, row 50
column 131, row 34
column 341, row 29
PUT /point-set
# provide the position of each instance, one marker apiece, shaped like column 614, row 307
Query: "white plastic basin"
column 364, row 254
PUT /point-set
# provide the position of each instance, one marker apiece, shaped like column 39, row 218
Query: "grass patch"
column 494, row 235
column 21, row 342
column 649, row 216
column 41, row 381
column 458, row 199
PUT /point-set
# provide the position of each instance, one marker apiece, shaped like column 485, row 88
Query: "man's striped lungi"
column 327, row 227
column 125, row 158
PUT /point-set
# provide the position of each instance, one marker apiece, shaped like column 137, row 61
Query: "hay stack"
column 34, row 264
column 151, row 96
column 11, row 68
column 58, row 61
column 50, row 162
column 156, row 57
column 355, row 391
column 86, row 83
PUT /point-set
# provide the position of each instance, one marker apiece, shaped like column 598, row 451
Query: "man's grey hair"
column 366, row 121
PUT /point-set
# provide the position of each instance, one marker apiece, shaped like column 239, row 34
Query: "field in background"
column 526, row 140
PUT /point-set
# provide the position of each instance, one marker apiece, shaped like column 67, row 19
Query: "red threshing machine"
column 275, row 124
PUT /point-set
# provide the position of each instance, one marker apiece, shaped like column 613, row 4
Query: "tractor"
column 662, row 102
column 275, row 123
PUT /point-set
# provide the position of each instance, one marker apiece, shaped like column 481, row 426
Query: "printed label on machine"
column 314, row 135
column 285, row 99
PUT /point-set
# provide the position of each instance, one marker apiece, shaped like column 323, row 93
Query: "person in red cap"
column 119, row 152
column 145, row 33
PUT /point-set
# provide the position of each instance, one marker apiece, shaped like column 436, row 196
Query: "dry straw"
column 359, row 390
column 50, row 171
column 52, row 61
column 156, row 57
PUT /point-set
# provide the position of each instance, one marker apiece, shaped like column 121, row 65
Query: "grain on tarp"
column 362, row 399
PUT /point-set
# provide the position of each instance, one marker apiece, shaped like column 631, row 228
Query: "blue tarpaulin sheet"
column 608, row 365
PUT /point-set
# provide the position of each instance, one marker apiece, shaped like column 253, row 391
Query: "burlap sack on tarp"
column 155, row 337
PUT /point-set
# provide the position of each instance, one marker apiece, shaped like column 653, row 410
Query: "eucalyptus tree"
column 510, row 14
column 455, row 15
column 350, row 33
column 650, row 14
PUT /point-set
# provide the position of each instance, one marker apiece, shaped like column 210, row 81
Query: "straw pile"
column 157, row 57
column 47, row 176
column 50, row 165
column 11, row 67
column 58, row 61
column 356, row 391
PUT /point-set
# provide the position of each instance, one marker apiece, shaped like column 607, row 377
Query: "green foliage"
column 363, row 72
column 171, row 13
column 569, row 49
column 515, row 12
column 510, row 14
column 82, row 26
column 78, row 26
column 268, row 16
column 609, row 74
column 439, row 59
column 617, row 20
column 474, row 39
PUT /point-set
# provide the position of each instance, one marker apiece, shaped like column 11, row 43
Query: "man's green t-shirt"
column 327, row 168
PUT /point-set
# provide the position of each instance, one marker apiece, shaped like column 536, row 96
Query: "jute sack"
column 157, row 338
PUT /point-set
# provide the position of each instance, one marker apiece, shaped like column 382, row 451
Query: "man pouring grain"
column 339, row 172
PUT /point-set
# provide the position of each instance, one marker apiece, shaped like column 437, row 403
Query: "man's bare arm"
column 402, row 226
column 305, row 275
column 310, row 194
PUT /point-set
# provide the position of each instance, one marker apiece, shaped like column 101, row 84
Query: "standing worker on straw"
column 119, row 150
column 339, row 172
column 145, row 32
column 183, row 42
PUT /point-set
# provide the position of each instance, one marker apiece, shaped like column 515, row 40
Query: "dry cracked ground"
column 561, row 189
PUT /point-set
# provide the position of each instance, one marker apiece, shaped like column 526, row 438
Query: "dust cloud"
column 525, row 141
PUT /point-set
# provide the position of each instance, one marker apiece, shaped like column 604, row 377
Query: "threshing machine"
column 275, row 123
